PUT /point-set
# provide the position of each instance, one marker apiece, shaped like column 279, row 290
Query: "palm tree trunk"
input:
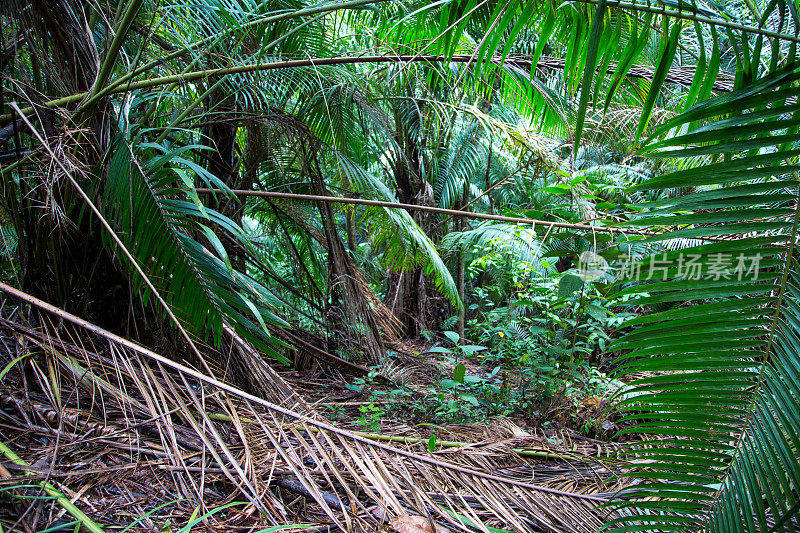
column 353, row 317
column 63, row 257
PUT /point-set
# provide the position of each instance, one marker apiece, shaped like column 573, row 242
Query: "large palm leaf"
column 761, row 490
column 162, row 231
column 716, row 414
column 404, row 244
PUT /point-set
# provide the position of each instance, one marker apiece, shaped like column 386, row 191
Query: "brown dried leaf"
column 414, row 524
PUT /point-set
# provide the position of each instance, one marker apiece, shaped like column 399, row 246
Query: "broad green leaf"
column 453, row 336
column 470, row 399
column 458, row 372
column 568, row 285
column 596, row 312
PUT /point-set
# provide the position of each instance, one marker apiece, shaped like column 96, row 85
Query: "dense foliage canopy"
column 241, row 184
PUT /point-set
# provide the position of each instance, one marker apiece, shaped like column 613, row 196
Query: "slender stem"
column 428, row 209
column 694, row 16
column 523, row 452
column 380, row 437
column 129, row 77
column 547, row 62
column 575, row 336
column 6, row 170
column 116, row 44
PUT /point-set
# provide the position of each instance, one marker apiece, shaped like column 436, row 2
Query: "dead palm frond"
column 354, row 480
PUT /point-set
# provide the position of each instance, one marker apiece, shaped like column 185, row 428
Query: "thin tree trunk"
column 460, row 274
column 461, row 294
column 351, row 231
column 346, row 283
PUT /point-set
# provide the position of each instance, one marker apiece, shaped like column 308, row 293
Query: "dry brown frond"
column 198, row 439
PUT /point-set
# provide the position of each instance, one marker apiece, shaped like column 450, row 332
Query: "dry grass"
column 137, row 441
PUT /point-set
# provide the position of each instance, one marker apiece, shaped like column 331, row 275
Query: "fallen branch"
column 293, row 485
column 380, row 437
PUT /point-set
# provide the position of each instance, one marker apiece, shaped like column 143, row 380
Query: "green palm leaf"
column 159, row 229
column 718, row 418
column 404, row 243
column 761, row 491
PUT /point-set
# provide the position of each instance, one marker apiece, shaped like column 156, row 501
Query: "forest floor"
column 422, row 397
column 69, row 431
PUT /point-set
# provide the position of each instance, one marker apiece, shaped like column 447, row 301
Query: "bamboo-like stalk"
column 549, row 224
column 62, row 500
column 191, row 107
column 430, row 209
column 240, row 69
column 117, row 87
column 6, row 170
column 690, row 15
column 523, row 452
column 121, row 84
column 116, row 44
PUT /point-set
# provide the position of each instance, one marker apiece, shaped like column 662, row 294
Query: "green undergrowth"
column 539, row 354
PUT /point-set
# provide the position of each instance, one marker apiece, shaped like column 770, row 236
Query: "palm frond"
column 395, row 232
column 523, row 244
column 356, row 481
column 761, row 490
column 201, row 285
column 712, row 417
